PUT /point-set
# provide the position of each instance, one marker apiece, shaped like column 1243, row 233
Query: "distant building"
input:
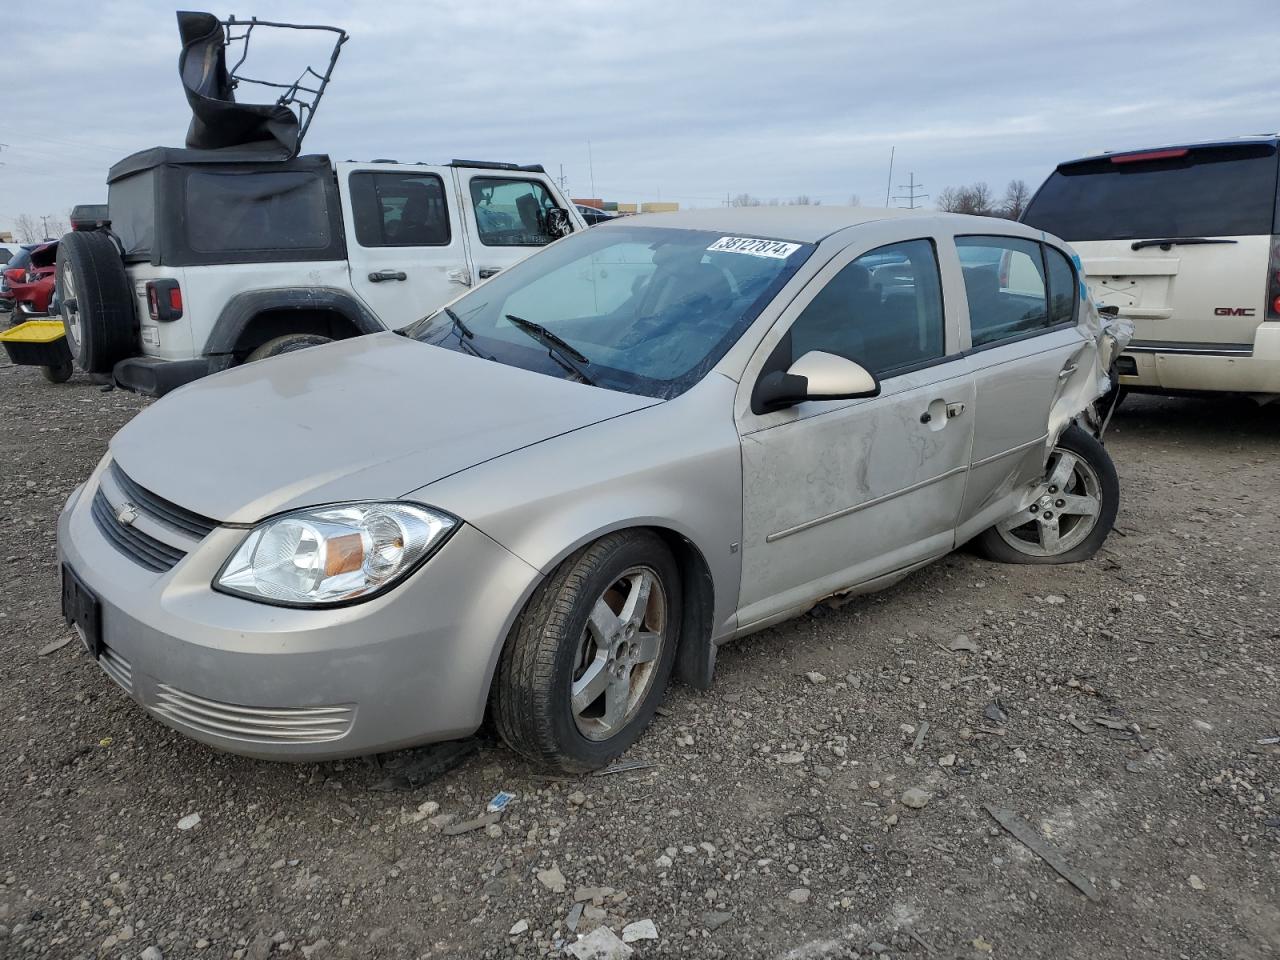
column 659, row 206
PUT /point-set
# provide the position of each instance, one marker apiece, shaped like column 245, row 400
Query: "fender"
column 243, row 307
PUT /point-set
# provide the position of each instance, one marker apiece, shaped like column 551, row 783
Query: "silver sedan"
column 585, row 475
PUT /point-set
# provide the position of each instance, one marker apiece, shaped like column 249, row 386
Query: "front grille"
column 143, row 549
column 117, row 668
column 256, row 724
column 161, row 509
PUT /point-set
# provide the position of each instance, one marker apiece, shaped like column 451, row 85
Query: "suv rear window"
column 275, row 210
column 1206, row 192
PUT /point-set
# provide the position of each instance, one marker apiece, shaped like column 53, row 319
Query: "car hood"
column 364, row 419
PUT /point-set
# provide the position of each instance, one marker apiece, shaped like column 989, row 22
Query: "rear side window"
column 1004, row 283
column 399, row 210
column 1064, row 289
column 285, row 210
column 1202, row 192
column 511, row 213
column 883, row 310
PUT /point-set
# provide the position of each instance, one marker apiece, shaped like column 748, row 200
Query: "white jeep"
column 235, row 248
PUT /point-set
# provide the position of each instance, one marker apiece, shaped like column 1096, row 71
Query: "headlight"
column 332, row 555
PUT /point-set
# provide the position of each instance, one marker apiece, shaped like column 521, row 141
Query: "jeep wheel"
column 97, row 301
column 289, row 343
column 589, row 659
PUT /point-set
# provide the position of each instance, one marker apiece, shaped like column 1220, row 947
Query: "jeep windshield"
column 641, row 310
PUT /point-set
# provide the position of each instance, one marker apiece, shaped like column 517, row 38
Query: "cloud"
column 687, row 101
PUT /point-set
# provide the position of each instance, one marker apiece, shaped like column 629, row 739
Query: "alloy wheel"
column 1064, row 512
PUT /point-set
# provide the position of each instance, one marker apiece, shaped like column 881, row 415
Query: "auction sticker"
column 774, row 249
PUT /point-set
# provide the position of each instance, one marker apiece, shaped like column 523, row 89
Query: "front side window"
column 638, row 309
column 399, row 210
column 259, row 210
column 883, row 310
column 511, row 213
column 1004, row 284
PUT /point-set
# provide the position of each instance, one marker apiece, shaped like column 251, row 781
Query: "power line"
column 912, row 194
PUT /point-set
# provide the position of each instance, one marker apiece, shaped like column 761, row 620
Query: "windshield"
column 1196, row 192
column 638, row 309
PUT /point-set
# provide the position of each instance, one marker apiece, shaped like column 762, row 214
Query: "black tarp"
column 217, row 121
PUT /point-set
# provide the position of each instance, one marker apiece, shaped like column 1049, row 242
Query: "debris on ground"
column 467, row 826
column 56, row 645
column 600, row 944
column 189, row 822
column 1031, row 839
column 425, row 764
column 499, row 802
column 639, row 930
column 1195, row 883
column 962, row 644
column 915, row 798
column 552, row 879
column 624, row 766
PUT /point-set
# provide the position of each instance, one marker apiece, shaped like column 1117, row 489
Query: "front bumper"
column 411, row 666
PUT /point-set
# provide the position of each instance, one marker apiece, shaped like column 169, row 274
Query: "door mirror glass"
column 558, row 223
column 815, row 376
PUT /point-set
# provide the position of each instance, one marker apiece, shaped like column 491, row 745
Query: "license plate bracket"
column 81, row 609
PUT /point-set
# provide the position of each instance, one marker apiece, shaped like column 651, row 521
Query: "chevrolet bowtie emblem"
column 126, row 514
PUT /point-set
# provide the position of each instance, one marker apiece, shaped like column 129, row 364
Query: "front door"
column 406, row 245
column 837, row 493
column 508, row 217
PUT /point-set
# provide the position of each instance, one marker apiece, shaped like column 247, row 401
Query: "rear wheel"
column 589, row 660
column 97, row 301
column 1073, row 511
column 289, row 343
column 59, row 373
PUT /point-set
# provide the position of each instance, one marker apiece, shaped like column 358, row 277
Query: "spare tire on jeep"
column 97, row 301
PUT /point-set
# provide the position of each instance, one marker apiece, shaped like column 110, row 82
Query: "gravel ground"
column 1116, row 706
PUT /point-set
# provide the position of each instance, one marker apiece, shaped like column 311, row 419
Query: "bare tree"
column 973, row 199
column 804, row 200
column 746, row 200
column 28, row 228
column 855, row 200
column 55, row 226
column 1016, row 197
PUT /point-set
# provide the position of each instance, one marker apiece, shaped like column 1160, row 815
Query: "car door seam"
column 847, row 511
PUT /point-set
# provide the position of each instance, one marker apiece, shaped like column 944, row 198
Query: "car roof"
column 813, row 224
column 1265, row 139
column 801, row 223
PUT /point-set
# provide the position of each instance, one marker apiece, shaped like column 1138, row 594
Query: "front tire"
column 289, row 343
column 1074, row 509
column 589, row 660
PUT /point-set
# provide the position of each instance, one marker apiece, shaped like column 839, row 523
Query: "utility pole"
column 591, row 169
column 889, row 186
column 44, row 225
column 562, row 187
column 913, row 193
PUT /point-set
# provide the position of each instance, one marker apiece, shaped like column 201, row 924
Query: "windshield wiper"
column 560, row 349
column 1175, row 241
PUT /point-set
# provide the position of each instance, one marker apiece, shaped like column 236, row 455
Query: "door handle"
column 381, row 275
column 954, row 410
column 1068, row 371
column 459, row 276
column 487, row 272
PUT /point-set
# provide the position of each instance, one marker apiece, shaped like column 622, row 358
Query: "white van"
column 1182, row 241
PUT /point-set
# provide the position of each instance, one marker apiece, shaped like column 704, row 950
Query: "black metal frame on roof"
column 293, row 94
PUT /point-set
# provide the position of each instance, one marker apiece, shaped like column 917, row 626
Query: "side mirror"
column 815, row 376
column 558, row 223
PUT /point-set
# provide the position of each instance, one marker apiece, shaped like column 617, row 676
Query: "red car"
column 32, row 287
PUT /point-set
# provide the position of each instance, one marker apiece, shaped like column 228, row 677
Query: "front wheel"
column 1073, row 511
column 289, row 343
column 590, row 657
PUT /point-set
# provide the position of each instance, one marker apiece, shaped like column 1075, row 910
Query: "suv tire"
column 97, row 301
column 606, row 620
column 1079, row 476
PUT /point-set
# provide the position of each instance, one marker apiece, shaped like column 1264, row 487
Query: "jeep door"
column 405, row 239
column 837, row 493
column 506, row 215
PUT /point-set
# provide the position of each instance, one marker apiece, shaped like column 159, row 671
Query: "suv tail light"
column 1273, row 280
column 164, row 300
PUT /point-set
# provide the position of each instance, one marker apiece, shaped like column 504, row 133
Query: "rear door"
column 506, row 214
column 1178, row 239
column 405, row 238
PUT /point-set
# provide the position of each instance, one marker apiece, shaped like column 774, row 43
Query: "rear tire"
column 589, row 660
column 1080, row 476
column 60, row 373
column 289, row 343
column 97, row 301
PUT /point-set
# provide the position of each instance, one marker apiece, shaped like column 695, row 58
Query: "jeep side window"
column 511, row 213
column 1004, row 284
column 399, row 210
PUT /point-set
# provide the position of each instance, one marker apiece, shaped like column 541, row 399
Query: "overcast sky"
column 685, row 101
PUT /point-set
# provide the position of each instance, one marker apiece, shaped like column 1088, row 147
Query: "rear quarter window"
column 1208, row 192
column 284, row 210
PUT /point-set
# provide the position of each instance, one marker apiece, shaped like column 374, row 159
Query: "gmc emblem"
column 1233, row 311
